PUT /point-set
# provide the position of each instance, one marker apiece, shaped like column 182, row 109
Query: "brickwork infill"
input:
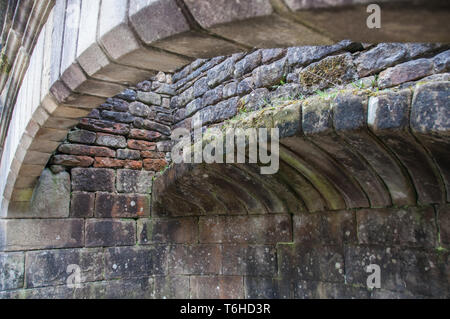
column 115, row 152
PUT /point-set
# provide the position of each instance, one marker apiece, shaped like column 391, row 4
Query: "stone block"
column 141, row 145
column 326, row 290
column 380, row 57
column 413, row 227
column 311, row 262
column 109, row 205
column 405, row 72
column 269, row 229
column 82, row 205
column 51, row 267
column 128, row 154
column 153, row 126
column 87, row 150
column 211, row 97
column 304, row 55
column 129, row 288
column 122, row 117
column 110, row 232
column 155, row 165
column 195, row 259
column 135, row 165
column 220, row 73
column 82, row 136
column 113, row 141
column 174, row 231
column 216, row 287
column 326, row 228
column 52, row 195
column 270, row 74
column 12, row 270
column 107, row 162
column 144, row 134
column 153, row 154
column 430, row 122
column 104, row 126
column 266, row 288
column 220, row 112
column 254, row 101
column 185, row 97
column 402, row 270
column 130, row 181
column 32, row 234
column 149, row 98
column 201, row 86
column 193, row 107
column 126, row 262
column 155, row 20
column 93, row 179
column 442, row 62
column 249, row 260
column 72, row 160
column 350, row 122
column 171, row 287
column 247, row 64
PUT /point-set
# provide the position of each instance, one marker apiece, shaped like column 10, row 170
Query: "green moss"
column 329, row 70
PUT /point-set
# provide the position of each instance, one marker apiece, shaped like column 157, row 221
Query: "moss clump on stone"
column 330, row 70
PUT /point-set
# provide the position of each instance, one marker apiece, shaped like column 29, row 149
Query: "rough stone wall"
column 218, row 89
column 126, row 248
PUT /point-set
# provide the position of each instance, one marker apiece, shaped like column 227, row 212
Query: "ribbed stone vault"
column 333, row 156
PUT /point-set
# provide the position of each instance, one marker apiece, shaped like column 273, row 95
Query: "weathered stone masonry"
column 363, row 179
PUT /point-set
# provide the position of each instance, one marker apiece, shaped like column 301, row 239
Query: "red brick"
column 72, row 160
column 141, row 145
column 76, row 149
column 155, row 165
column 153, row 154
column 104, row 126
column 108, row 162
column 144, row 134
column 133, row 164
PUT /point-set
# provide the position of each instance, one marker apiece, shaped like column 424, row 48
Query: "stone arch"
column 349, row 175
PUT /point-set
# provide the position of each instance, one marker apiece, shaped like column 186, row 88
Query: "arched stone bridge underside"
column 352, row 160
column 331, row 158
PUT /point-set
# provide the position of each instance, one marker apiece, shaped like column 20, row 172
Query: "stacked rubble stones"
column 217, row 89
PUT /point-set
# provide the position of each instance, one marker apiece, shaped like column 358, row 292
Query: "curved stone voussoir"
column 252, row 23
column 388, row 119
column 317, row 127
column 350, row 122
column 430, row 122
